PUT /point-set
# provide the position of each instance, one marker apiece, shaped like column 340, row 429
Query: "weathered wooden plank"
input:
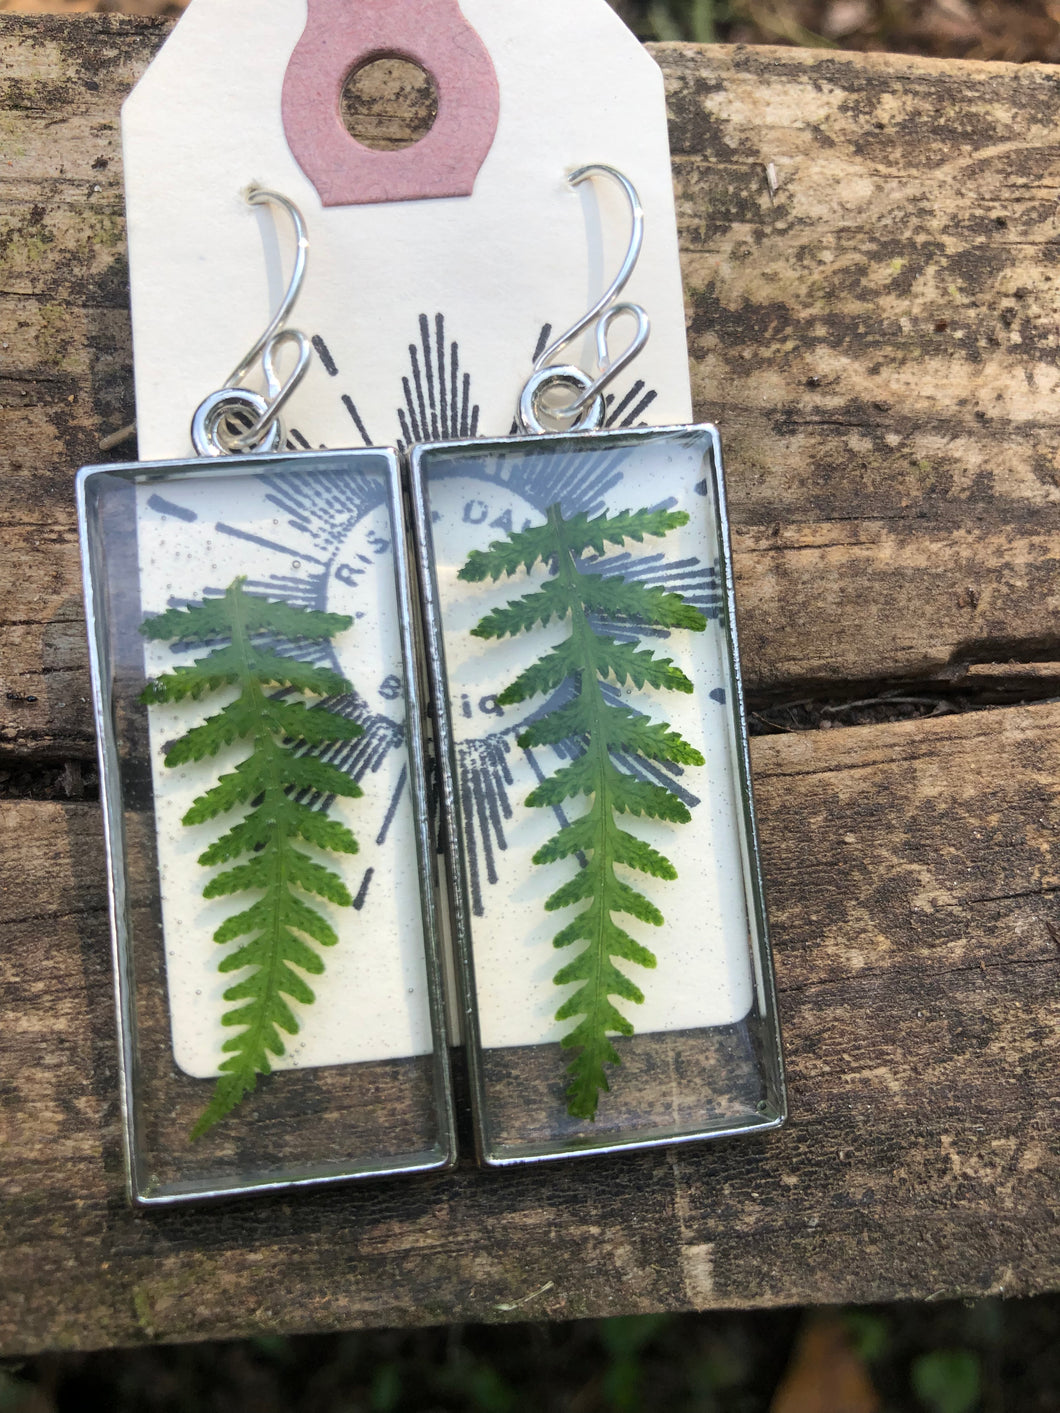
column 846, row 333
column 64, row 348
column 912, row 875
column 877, row 339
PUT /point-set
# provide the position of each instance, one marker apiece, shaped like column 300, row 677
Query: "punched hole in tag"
column 440, row 154
column 389, row 102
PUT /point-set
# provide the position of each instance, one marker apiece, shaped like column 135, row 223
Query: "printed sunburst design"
column 484, row 763
column 436, row 393
column 333, row 528
column 336, row 528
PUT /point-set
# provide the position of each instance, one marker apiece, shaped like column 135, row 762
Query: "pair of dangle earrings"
column 403, row 750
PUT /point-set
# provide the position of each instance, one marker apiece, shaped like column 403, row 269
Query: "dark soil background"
column 961, row 29
column 987, row 1356
column 958, row 29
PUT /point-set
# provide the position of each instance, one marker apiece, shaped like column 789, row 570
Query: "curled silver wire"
column 213, row 427
column 588, row 407
column 570, row 379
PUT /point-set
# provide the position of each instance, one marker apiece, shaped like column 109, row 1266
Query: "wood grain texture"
column 877, row 340
column 912, row 872
column 846, row 332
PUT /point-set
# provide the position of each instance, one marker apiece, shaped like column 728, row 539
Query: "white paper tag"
column 427, row 313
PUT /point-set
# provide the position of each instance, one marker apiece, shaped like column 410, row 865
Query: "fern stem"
column 264, row 741
column 254, row 1039
column 589, row 687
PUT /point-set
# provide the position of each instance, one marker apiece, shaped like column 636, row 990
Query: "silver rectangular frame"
column 772, row 1111
column 140, row 1190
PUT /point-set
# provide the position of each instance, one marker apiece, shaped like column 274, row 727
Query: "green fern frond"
column 623, row 661
column 280, row 731
column 201, row 622
column 523, row 548
column 606, row 731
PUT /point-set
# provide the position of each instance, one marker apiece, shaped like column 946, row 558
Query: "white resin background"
column 197, row 534
column 704, row 975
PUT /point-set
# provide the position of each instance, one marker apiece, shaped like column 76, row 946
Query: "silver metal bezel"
column 449, row 803
column 139, row 1188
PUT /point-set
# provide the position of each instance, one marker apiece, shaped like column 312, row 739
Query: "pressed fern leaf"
column 604, row 729
column 247, row 629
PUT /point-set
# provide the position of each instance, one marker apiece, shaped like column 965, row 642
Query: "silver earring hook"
column 588, row 406
column 211, row 429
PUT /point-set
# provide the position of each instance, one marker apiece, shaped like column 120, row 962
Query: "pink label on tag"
column 341, row 37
